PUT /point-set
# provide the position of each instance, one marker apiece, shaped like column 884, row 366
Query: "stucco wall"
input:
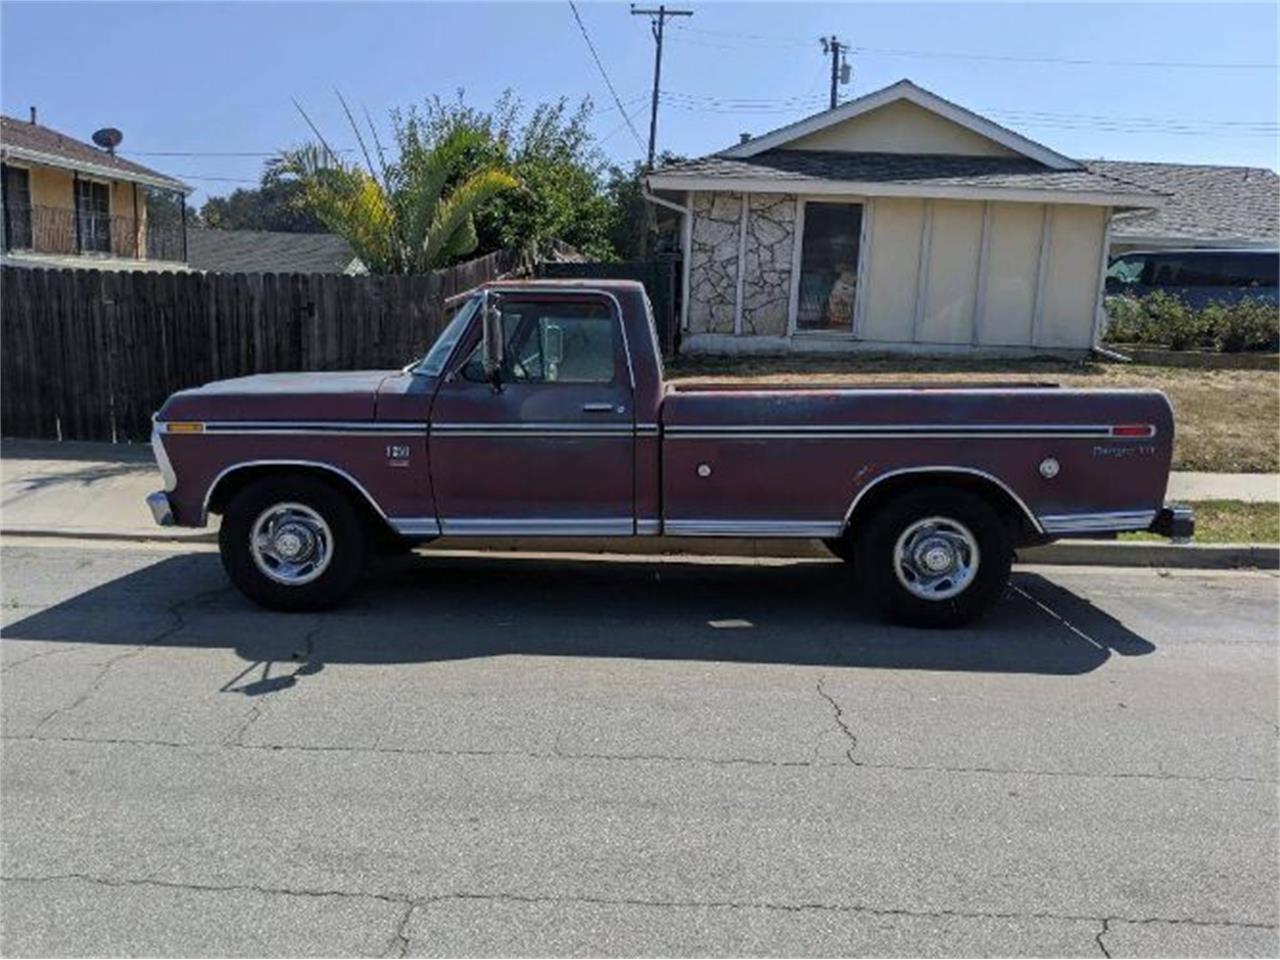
column 902, row 127
column 937, row 273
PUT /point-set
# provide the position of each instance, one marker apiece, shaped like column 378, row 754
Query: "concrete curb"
column 1108, row 553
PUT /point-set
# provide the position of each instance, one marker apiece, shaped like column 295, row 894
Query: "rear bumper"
column 1176, row 521
column 161, row 510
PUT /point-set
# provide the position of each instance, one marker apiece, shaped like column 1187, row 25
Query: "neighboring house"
column 264, row 251
column 895, row 221
column 67, row 203
column 1208, row 206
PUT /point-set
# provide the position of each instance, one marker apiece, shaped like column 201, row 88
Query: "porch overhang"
column 105, row 171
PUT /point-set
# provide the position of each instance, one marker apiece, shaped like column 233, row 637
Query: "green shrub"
column 1161, row 319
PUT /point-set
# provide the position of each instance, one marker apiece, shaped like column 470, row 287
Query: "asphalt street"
column 530, row 756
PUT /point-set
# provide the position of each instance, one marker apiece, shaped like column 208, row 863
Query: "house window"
column 829, row 266
column 93, row 211
column 15, row 187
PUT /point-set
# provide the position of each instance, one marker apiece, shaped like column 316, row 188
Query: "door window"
column 553, row 343
column 15, row 186
column 93, row 208
column 829, row 266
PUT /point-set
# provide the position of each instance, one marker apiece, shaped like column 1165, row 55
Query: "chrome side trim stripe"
column 227, row 471
column 648, row 528
column 415, row 526
column 752, row 528
column 312, row 428
column 537, row 527
column 942, row 470
column 526, row 429
column 914, row 431
column 1081, row 522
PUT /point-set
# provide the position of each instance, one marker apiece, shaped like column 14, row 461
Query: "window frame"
column 797, row 259
column 7, row 207
column 79, row 213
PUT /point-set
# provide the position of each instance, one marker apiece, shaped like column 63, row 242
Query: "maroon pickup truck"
column 541, row 411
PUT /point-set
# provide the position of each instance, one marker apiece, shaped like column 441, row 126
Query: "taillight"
column 1133, row 430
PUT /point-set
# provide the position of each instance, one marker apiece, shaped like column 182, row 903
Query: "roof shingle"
column 263, row 251
column 34, row 137
column 1206, row 202
column 803, row 166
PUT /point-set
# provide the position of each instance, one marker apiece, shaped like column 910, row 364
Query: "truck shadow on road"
column 425, row 608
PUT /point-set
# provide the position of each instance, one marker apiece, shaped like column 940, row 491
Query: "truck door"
column 551, row 451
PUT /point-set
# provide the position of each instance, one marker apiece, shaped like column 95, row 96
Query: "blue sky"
column 205, row 78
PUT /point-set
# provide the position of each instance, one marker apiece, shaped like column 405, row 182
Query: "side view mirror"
column 492, row 344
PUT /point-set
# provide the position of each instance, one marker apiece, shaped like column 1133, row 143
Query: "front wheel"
column 935, row 557
column 292, row 543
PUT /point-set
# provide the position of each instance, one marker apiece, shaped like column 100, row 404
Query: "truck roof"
column 575, row 283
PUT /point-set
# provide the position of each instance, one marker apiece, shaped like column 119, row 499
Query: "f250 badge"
column 397, row 455
column 1119, row 451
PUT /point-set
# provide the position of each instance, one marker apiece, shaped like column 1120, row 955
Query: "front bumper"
column 1176, row 521
column 161, row 510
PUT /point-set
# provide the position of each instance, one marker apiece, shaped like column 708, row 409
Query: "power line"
column 604, row 73
column 1065, row 61
column 792, row 41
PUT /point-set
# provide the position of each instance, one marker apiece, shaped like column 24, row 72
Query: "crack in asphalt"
column 637, row 758
column 68, row 648
column 840, row 722
column 411, row 903
column 1106, row 925
column 175, row 610
column 399, row 945
column 104, row 668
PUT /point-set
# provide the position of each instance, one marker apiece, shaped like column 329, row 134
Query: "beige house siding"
column 902, row 127
column 1076, row 239
column 947, row 274
column 1013, row 257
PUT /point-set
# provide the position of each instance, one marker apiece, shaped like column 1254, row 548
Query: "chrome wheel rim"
column 291, row 543
column 936, row 558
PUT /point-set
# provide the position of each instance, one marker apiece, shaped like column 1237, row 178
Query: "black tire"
column 347, row 543
column 842, row 548
column 878, row 538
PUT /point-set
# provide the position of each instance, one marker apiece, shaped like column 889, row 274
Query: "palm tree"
column 416, row 216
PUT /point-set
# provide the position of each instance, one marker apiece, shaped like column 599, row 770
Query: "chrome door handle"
column 602, row 408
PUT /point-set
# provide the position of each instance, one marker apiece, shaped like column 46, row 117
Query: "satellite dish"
column 108, row 138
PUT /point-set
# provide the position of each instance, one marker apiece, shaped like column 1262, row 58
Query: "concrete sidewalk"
column 97, row 491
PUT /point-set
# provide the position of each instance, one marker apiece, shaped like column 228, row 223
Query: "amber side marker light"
column 178, row 427
column 1133, row 430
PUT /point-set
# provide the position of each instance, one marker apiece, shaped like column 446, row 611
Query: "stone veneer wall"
column 766, row 287
column 713, row 264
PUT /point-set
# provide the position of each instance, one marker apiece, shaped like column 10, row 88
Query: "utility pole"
column 832, row 47
column 658, row 18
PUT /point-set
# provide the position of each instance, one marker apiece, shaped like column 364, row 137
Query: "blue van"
column 1196, row 276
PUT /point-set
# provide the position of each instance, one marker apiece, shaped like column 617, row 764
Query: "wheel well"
column 228, row 485
column 1022, row 531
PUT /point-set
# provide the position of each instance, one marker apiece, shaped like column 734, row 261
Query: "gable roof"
column 1206, row 203
column 908, row 91
column 34, row 143
column 266, row 251
column 898, row 174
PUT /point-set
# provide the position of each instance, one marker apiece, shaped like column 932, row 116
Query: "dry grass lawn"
column 1227, row 420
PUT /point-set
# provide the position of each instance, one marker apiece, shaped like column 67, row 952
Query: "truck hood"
column 340, row 395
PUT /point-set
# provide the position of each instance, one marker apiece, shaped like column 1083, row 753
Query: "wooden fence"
column 90, row 355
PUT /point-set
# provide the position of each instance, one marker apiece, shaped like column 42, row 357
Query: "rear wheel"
column 292, row 543
column 934, row 557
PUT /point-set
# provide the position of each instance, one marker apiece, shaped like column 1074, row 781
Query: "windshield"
column 433, row 363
